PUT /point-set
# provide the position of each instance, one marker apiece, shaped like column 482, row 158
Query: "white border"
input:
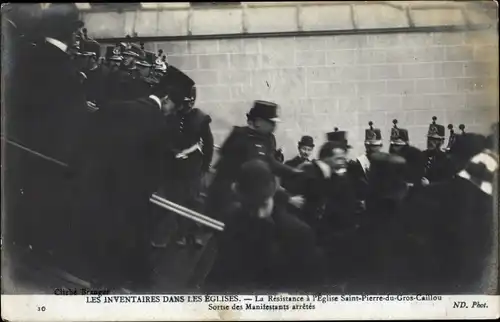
column 76, row 308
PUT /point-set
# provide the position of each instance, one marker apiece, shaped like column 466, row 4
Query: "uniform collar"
column 156, row 99
column 59, row 44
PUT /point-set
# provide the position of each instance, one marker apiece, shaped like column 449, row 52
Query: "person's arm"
column 208, row 146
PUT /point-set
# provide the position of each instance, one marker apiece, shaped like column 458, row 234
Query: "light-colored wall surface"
column 345, row 81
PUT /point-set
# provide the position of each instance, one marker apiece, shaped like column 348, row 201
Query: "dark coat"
column 260, row 254
column 121, row 162
column 96, row 88
column 438, row 166
column 296, row 162
column 360, row 179
column 45, row 116
column 243, row 144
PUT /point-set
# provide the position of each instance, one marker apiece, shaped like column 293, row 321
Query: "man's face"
column 434, row 144
column 373, row 148
column 338, row 160
column 128, row 61
column 305, row 151
column 167, row 106
column 264, row 126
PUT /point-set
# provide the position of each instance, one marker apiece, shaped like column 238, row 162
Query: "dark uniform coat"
column 242, row 145
column 121, row 162
column 437, row 166
column 182, row 181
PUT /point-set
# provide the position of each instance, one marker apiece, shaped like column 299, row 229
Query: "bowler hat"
column 436, row 131
column 264, row 110
column 338, row 136
column 373, row 136
column 307, row 140
column 60, row 18
column 399, row 136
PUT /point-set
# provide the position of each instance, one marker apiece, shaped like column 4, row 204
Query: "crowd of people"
column 90, row 139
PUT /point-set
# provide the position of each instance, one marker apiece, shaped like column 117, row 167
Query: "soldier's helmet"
column 399, row 136
column 373, row 136
column 436, row 131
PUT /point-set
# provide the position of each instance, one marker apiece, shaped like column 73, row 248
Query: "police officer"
column 256, row 140
column 190, row 150
column 400, row 145
column 359, row 169
column 437, row 166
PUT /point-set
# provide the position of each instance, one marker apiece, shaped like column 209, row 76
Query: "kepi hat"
column 399, row 136
column 436, row 131
column 373, row 136
column 265, row 110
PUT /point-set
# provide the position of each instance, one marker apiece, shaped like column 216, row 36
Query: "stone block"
column 401, row 87
column 173, row 22
column 429, row 86
column 400, row 55
column 379, row 16
column 347, row 42
column 310, row 58
column 448, row 101
column 419, row 70
column 449, row 69
column 231, row 46
column 217, row 21
column 371, row 88
column 353, row 104
column 203, row 47
column 429, row 54
column 416, row 102
column 437, row 17
column 382, row 72
column 183, row 62
column 202, row 77
column 146, row 23
column 385, row 103
column 214, row 61
column 213, row 93
column 266, row 19
column 311, row 43
column 105, row 25
column 459, row 53
column 341, row 57
column 336, row 17
column 405, row 119
column 371, row 56
column 244, row 61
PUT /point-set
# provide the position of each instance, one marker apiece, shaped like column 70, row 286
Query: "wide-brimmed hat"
column 177, row 85
column 60, row 17
column 481, row 170
column 265, row 110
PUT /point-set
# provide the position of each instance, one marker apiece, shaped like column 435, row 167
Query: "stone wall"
column 345, row 81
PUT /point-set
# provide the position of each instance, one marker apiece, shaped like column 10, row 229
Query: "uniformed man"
column 189, row 151
column 121, row 162
column 437, row 166
column 256, row 140
column 400, row 145
column 359, row 169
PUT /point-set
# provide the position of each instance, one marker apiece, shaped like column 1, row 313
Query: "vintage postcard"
column 308, row 160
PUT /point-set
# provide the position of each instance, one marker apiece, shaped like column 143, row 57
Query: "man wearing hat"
column 262, row 246
column 189, row 151
column 122, row 161
column 49, row 112
column 400, row 145
column 437, row 166
column 305, row 147
column 254, row 141
column 359, row 168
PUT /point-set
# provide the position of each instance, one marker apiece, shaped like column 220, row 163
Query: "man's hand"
column 297, row 201
column 425, row 181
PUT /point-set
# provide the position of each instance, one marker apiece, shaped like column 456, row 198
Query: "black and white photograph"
column 223, row 148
